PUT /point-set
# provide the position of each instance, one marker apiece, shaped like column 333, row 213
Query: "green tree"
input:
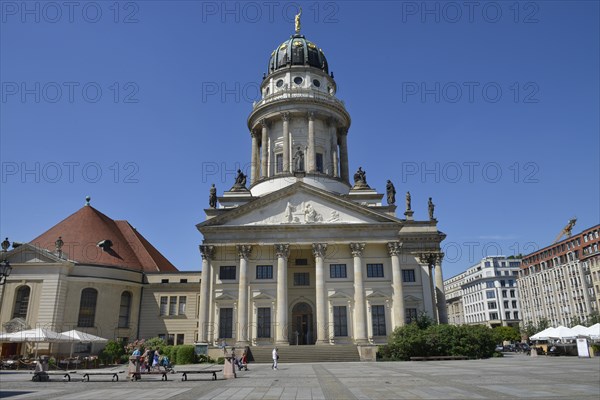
column 506, row 333
column 543, row 324
column 529, row 329
column 112, row 351
column 592, row 319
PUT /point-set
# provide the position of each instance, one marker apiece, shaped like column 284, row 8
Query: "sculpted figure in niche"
column 298, row 160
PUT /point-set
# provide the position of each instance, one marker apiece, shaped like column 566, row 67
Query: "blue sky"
column 491, row 108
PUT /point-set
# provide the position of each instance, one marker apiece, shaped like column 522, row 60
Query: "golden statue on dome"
column 297, row 20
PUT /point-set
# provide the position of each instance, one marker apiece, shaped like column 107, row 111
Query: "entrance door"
column 302, row 318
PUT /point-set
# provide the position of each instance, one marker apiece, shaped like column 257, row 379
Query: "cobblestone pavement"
column 511, row 377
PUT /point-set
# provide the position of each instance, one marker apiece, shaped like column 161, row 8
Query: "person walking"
column 275, row 358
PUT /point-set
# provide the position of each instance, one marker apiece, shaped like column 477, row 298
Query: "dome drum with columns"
column 298, row 126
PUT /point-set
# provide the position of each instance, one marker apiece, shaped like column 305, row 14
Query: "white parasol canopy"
column 562, row 332
column 594, row 331
column 543, row 335
column 76, row 336
column 580, row 330
column 37, row 335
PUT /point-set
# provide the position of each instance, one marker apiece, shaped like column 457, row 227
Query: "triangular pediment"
column 336, row 294
column 224, row 296
column 411, row 299
column 260, row 295
column 376, row 294
column 300, row 204
column 29, row 254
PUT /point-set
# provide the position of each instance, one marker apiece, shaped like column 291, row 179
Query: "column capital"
column 282, row 250
column 207, row 251
column 285, row 116
column 429, row 258
column 264, row 123
column 311, row 115
column 319, row 249
column 244, row 250
column 394, row 248
column 332, row 121
column 357, row 249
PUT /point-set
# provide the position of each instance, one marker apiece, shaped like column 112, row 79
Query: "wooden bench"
column 201, row 371
column 438, row 358
column 115, row 375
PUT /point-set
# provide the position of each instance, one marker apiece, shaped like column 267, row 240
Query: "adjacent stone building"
column 560, row 282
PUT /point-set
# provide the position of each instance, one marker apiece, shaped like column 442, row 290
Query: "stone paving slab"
column 510, row 377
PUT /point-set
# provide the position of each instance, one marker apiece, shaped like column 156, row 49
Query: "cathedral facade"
column 301, row 252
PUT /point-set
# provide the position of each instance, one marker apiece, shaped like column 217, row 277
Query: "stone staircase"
column 306, row 354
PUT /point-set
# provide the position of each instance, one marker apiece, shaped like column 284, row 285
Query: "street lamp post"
column 5, row 267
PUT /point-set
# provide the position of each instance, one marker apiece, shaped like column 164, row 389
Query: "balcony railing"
column 287, row 94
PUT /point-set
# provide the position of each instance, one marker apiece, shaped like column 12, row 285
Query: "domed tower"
column 298, row 127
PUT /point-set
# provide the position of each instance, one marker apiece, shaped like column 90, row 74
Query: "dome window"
column 267, row 91
column 279, row 83
column 316, row 83
column 298, row 80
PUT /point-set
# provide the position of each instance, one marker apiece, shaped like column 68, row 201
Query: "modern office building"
column 486, row 293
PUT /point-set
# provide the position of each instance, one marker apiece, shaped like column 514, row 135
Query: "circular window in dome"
column 279, row 83
column 316, row 83
column 298, row 80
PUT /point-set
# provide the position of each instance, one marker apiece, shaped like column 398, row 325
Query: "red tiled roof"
column 82, row 231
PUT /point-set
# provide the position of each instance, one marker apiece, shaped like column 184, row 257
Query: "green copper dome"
column 297, row 51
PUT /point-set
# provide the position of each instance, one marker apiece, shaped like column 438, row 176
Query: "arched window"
column 87, row 307
column 125, row 310
column 21, row 302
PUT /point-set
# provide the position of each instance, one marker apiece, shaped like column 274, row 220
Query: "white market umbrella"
column 543, row 335
column 594, row 331
column 562, row 332
column 580, row 330
column 37, row 335
column 76, row 336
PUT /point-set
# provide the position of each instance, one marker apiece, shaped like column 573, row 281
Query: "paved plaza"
column 514, row 376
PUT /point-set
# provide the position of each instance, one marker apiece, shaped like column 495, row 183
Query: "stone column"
column 254, row 161
column 286, row 141
column 281, row 331
column 242, row 320
column 319, row 250
column 426, row 281
column 439, row 290
column 343, row 136
column 311, row 156
column 333, row 148
column 207, row 253
column 360, row 310
column 263, row 149
column 398, row 312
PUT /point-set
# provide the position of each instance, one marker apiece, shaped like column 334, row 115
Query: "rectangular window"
column 182, row 302
column 337, row 270
column 164, row 300
column 492, row 305
column 301, row 261
column 278, row 163
column 227, row 272
column 301, row 279
column 173, row 305
column 489, row 284
column 319, row 162
column 512, row 293
column 410, row 314
column 505, row 303
column 504, row 293
column 378, row 317
column 170, row 339
column 179, row 339
column 162, row 336
column 164, row 281
column 264, row 272
column 408, row 275
column 225, row 323
column 340, row 321
column 374, row 270
column 493, row 315
column 514, row 304
column 263, row 326
column 183, row 280
column 507, row 314
column 490, row 294
column 516, row 314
